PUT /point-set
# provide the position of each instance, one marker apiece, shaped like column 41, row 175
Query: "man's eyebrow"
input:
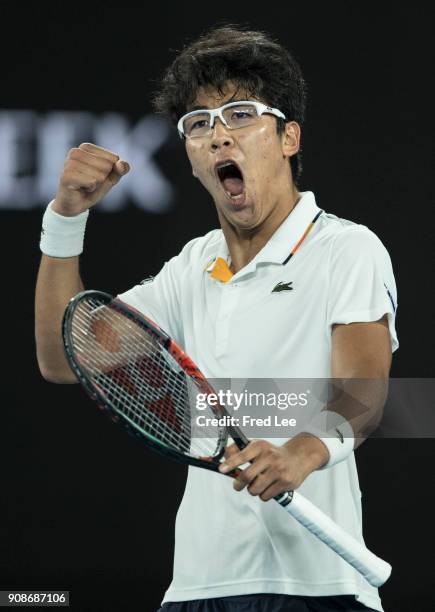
column 234, row 98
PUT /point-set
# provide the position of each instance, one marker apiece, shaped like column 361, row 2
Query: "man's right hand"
column 89, row 173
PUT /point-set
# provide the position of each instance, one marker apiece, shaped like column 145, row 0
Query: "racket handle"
column 375, row 570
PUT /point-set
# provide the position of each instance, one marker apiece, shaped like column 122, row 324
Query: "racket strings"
column 142, row 381
column 122, row 380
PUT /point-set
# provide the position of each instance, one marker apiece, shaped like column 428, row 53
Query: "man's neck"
column 244, row 245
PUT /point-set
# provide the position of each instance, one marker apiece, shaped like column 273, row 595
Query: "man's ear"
column 291, row 139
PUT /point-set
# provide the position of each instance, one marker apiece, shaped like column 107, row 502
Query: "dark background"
column 83, row 506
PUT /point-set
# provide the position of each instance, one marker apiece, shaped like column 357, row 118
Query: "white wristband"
column 336, row 434
column 62, row 236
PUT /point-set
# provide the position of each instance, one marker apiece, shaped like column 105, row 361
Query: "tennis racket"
column 141, row 378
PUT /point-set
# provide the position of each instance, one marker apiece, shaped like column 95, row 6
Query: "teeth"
column 234, row 197
column 225, row 164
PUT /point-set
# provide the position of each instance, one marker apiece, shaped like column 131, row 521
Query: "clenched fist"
column 88, row 174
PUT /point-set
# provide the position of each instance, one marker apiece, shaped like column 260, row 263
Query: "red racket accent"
column 185, row 362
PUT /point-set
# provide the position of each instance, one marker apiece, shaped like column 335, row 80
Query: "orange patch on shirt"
column 221, row 271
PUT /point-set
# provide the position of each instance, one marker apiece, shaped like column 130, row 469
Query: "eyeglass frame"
column 218, row 112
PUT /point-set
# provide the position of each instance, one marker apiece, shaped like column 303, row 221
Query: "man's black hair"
column 252, row 60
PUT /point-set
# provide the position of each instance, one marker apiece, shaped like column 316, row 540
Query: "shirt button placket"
column 227, row 308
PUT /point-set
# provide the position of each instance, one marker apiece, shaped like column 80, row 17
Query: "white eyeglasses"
column 234, row 115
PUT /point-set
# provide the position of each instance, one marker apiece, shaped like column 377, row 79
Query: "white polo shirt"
column 235, row 326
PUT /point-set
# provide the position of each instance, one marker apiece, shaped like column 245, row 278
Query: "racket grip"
column 375, row 570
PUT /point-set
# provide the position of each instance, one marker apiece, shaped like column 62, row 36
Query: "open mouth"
column 231, row 178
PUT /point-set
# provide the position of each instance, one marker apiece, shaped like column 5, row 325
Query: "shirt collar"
column 280, row 245
column 291, row 230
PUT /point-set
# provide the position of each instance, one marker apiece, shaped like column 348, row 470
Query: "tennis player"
column 282, row 290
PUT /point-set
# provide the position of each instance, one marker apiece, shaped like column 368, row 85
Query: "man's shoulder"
column 201, row 249
column 348, row 241
column 342, row 232
column 335, row 226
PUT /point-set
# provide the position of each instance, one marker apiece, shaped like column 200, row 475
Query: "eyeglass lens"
column 240, row 115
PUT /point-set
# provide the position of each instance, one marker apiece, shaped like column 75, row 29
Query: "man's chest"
column 262, row 322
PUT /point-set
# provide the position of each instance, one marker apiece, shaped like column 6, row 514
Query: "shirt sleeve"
column 158, row 299
column 362, row 287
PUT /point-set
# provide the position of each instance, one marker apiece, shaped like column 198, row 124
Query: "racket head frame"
column 104, row 403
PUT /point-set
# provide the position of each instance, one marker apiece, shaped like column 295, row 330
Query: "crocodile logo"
column 283, row 287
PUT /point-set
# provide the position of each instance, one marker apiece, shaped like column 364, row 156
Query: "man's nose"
column 220, row 135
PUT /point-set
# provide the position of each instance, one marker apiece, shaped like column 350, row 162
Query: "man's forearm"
column 58, row 281
column 360, row 402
